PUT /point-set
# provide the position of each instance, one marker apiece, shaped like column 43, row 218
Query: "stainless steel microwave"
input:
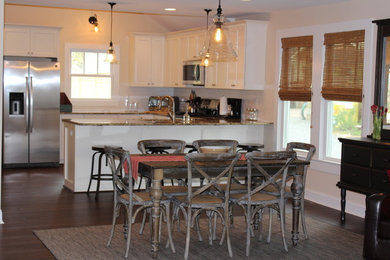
column 193, row 73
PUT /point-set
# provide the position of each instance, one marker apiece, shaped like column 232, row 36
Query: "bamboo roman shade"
column 343, row 70
column 295, row 78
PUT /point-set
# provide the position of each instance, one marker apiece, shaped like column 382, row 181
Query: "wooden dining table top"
column 177, row 169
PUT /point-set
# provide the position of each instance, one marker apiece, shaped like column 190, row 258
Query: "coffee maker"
column 235, row 105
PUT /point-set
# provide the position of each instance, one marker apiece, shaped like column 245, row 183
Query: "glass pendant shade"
column 110, row 55
column 219, row 47
column 206, row 60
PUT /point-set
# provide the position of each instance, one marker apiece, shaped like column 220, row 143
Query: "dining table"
column 164, row 166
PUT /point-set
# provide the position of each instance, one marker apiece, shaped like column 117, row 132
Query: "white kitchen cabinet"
column 195, row 43
column 248, row 72
column 146, row 60
column 174, row 61
column 35, row 41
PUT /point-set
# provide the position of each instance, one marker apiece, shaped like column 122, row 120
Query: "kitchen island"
column 81, row 134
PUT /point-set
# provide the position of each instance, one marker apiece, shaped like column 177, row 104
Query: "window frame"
column 319, row 104
column 90, row 102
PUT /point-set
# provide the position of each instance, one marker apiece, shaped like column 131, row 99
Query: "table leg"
column 296, row 189
column 342, row 213
column 156, row 195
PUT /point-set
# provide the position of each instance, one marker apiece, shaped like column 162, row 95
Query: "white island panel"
column 80, row 139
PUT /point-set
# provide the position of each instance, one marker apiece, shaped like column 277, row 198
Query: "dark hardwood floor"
column 35, row 199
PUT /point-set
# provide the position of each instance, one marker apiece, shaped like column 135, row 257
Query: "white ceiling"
column 231, row 8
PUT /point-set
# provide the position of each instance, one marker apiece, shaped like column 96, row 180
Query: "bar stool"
column 99, row 151
column 250, row 147
column 191, row 148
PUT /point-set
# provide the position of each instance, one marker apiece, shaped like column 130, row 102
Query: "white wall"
column 321, row 184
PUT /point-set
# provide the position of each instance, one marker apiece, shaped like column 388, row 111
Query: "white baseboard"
column 353, row 208
column 1, row 217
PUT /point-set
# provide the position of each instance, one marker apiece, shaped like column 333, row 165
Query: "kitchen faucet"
column 171, row 107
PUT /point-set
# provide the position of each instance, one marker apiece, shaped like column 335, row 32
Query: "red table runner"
column 135, row 159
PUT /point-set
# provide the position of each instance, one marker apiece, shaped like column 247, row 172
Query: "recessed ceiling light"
column 246, row 0
column 170, row 9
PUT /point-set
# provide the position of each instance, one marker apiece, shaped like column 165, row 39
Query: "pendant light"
column 220, row 47
column 205, row 50
column 110, row 57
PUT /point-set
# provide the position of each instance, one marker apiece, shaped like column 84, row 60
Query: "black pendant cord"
column 207, row 23
column 112, row 5
column 219, row 10
column 207, row 26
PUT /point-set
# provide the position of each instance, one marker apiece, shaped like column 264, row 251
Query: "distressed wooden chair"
column 210, row 198
column 310, row 150
column 215, row 146
column 124, row 195
column 220, row 146
column 255, row 200
column 160, row 146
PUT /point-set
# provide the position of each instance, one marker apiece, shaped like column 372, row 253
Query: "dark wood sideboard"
column 363, row 167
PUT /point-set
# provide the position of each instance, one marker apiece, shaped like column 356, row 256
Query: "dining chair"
column 220, row 146
column 210, row 198
column 160, row 146
column 215, row 145
column 124, row 195
column 255, row 200
column 310, row 150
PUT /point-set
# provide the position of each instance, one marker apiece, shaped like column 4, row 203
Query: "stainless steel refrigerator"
column 31, row 116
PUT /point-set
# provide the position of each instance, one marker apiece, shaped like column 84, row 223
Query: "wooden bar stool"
column 250, row 147
column 98, row 176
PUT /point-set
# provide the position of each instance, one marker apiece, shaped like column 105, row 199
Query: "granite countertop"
column 164, row 113
column 150, row 122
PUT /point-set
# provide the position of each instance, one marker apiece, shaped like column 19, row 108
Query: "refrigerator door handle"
column 27, row 106
column 31, row 105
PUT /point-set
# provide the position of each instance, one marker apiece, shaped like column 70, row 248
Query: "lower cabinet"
column 363, row 168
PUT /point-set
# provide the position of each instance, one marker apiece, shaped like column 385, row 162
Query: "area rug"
column 325, row 242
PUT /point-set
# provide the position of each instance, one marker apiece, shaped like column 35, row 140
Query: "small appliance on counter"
column 204, row 107
column 160, row 103
column 235, row 107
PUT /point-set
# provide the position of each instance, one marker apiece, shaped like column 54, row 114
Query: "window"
column 90, row 76
column 297, row 121
column 344, row 120
column 295, row 88
column 342, row 87
column 341, row 96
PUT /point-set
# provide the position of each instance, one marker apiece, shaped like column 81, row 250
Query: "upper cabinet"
column 32, row 41
column 146, row 59
column 248, row 72
column 194, row 44
column 157, row 59
column 175, row 52
column 181, row 46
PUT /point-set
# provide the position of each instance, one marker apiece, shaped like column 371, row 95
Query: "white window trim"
column 86, row 102
column 319, row 105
